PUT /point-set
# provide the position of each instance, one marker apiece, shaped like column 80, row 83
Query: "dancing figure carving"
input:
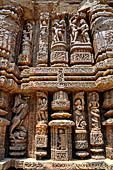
column 20, row 108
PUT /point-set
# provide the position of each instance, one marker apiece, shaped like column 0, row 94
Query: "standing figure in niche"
column 79, row 108
column 61, row 140
column 42, row 110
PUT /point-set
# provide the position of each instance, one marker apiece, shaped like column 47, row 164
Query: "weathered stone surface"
column 56, row 84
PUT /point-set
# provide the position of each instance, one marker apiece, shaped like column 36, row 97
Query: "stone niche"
column 56, row 84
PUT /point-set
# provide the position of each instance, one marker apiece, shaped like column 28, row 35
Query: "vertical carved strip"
column 3, row 122
column 59, row 54
column 108, row 123
column 96, row 137
column 41, row 137
column 42, row 55
column 18, row 132
column 81, row 140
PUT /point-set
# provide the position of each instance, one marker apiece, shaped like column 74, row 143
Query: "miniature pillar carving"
column 108, row 123
column 18, row 133
column 81, row 49
column 24, row 59
column 3, row 122
column 41, row 137
column 61, row 129
column 81, row 140
column 96, row 137
column 42, row 55
column 59, row 54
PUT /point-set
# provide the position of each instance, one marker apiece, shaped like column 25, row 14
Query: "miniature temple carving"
column 81, row 140
column 56, row 84
column 61, row 129
column 18, row 133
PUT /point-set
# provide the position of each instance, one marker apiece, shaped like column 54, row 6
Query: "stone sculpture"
column 56, row 84
column 18, row 133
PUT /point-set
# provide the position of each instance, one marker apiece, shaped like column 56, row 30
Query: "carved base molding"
column 30, row 163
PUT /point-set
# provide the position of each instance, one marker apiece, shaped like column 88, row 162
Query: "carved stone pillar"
column 42, row 55
column 81, row 140
column 101, row 32
column 3, row 122
column 108, row 123
column 18, row 132
column 41, row 137
column 10, row 19
column 61, row 129
column 80, row 44
column 59, row 54
column 96, row 137
column 24, row 59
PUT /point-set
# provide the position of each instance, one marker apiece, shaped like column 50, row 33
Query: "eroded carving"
column 41, row 137
column 81, row 140
column 18, row 133
column 96, row 136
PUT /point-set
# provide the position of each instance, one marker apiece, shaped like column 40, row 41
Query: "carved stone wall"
column 56, row 84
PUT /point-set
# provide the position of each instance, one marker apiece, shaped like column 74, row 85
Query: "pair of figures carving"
column 79, row 27
column 58, row 29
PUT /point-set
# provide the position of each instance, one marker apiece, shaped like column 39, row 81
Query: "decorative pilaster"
column 18, row 132
column 10, row 17
column 80, row 44
column 81, row 140
column 96, row 136
column 41, row 137
column 101, row 32
column 59, row 54
column 24, row 59
column 3, row 122
column 61, row 129
column 108, row 123
column 42, row 55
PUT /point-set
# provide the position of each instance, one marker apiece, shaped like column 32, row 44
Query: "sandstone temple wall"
column 56, row 84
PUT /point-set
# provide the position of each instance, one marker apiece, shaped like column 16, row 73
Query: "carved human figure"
column 94, row 110
column 59, row 30
column 42, row 109
column 79, row 108
column 61, row 139
column 28, row 31
column 43, row 24
column 74, row 28
column 84, row 30
column 20, row 109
